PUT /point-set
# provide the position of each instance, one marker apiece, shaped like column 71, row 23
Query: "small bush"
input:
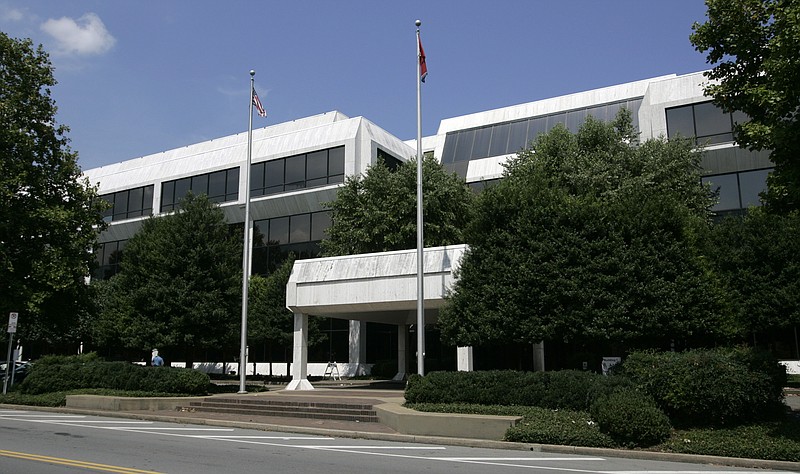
column 720, row 387
column 563, row 427
column 631, row 418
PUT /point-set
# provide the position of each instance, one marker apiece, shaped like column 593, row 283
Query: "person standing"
column 157, row 360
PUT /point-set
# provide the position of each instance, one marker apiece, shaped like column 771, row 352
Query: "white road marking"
column 168, row 428
column 522, row 459
column 352, row 446
column 283, row 438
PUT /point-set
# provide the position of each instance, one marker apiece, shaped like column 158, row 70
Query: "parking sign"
column 12, row 322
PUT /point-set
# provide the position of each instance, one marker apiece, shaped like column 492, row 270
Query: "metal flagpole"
column 246, row 251
column 420, row 240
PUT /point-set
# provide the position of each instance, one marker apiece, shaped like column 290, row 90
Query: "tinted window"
column 295, row 169
column 279, row 230
column 336, row 161
column 751, row 183
column 320, row 222
column 300, row 228
column 317, row 165
column 727, row 186
column 499, row 139
column 680, row 121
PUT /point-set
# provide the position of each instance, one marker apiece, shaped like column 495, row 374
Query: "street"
column 45, row 443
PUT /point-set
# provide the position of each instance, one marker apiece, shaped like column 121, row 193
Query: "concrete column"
column 538, row 357
column 357, row 349
column 464, row 359
column 300, row 355
column 402, row 352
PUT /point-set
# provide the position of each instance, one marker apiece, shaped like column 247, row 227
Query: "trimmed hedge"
column 64, row 373
column 719, row 387
column 631, row 418
column 565, row 389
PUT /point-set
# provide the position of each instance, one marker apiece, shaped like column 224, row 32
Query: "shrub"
column 563, row 427
column 57, row 374
column 631, row 418
column 566, row 389
column 710, row 387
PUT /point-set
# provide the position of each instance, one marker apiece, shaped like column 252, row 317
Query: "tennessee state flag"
column 423, row 68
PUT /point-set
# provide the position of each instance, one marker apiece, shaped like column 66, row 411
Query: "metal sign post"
column 12, row 328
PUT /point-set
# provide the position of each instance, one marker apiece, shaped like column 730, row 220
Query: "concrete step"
column 295, row 409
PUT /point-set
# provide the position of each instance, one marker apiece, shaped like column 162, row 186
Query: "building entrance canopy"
column 377, row 287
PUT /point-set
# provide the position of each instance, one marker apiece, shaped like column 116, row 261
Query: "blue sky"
column 140, row 77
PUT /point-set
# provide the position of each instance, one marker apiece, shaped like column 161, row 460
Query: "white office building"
column 298, row 165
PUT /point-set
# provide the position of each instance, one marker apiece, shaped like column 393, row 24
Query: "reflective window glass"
column 167, row 196
column 135, row 202
column 464, row 146
column 216, row 184
column 120, row 204
column 320, row 222
column 317, row 165
column 257, row 179
column 300, row 228
column 260, row 233
column 711, row 120
column 449, row 152
column 680, row 122
column 336, row 161
column 480, row 144
column 147, row 200
column 499, row 139
column 727, row 187
column 575, row 119
column 295, row 169
column 273, row 173
column 536, row 127
column 182, row 187
column 232, row 184
column 200, row 184
column 751, row 183
column 279, row 231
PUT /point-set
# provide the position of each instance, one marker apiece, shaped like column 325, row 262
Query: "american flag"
column 258, row 105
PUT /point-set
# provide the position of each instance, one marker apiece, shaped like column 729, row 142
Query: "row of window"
column 706, row 123
column 307, row 170
column 274, row 239
column 219, row 186
column 130, row 203
column 510, row 137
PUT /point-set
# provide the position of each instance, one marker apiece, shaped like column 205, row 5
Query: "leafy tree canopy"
column 49, row 217
column 179, row 284
column 588, row 237
column 269, row 321
column 753, row 45
column 377, row 212
column 757, row 259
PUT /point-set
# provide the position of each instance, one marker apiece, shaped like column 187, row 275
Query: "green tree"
column 179, row 285
column 757, row 259
column 753, row 45
column 588, row 237
column 49, row 215
column 377, row 212
column 270, row 323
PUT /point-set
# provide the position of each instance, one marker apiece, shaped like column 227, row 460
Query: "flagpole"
column 246, row 251
column 420, row 240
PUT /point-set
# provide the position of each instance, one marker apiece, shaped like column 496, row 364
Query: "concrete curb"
column 441, row 440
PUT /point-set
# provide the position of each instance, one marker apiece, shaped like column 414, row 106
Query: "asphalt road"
column 46, row 443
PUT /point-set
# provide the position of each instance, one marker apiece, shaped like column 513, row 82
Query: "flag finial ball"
column 417, row 22
column 252, row 73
